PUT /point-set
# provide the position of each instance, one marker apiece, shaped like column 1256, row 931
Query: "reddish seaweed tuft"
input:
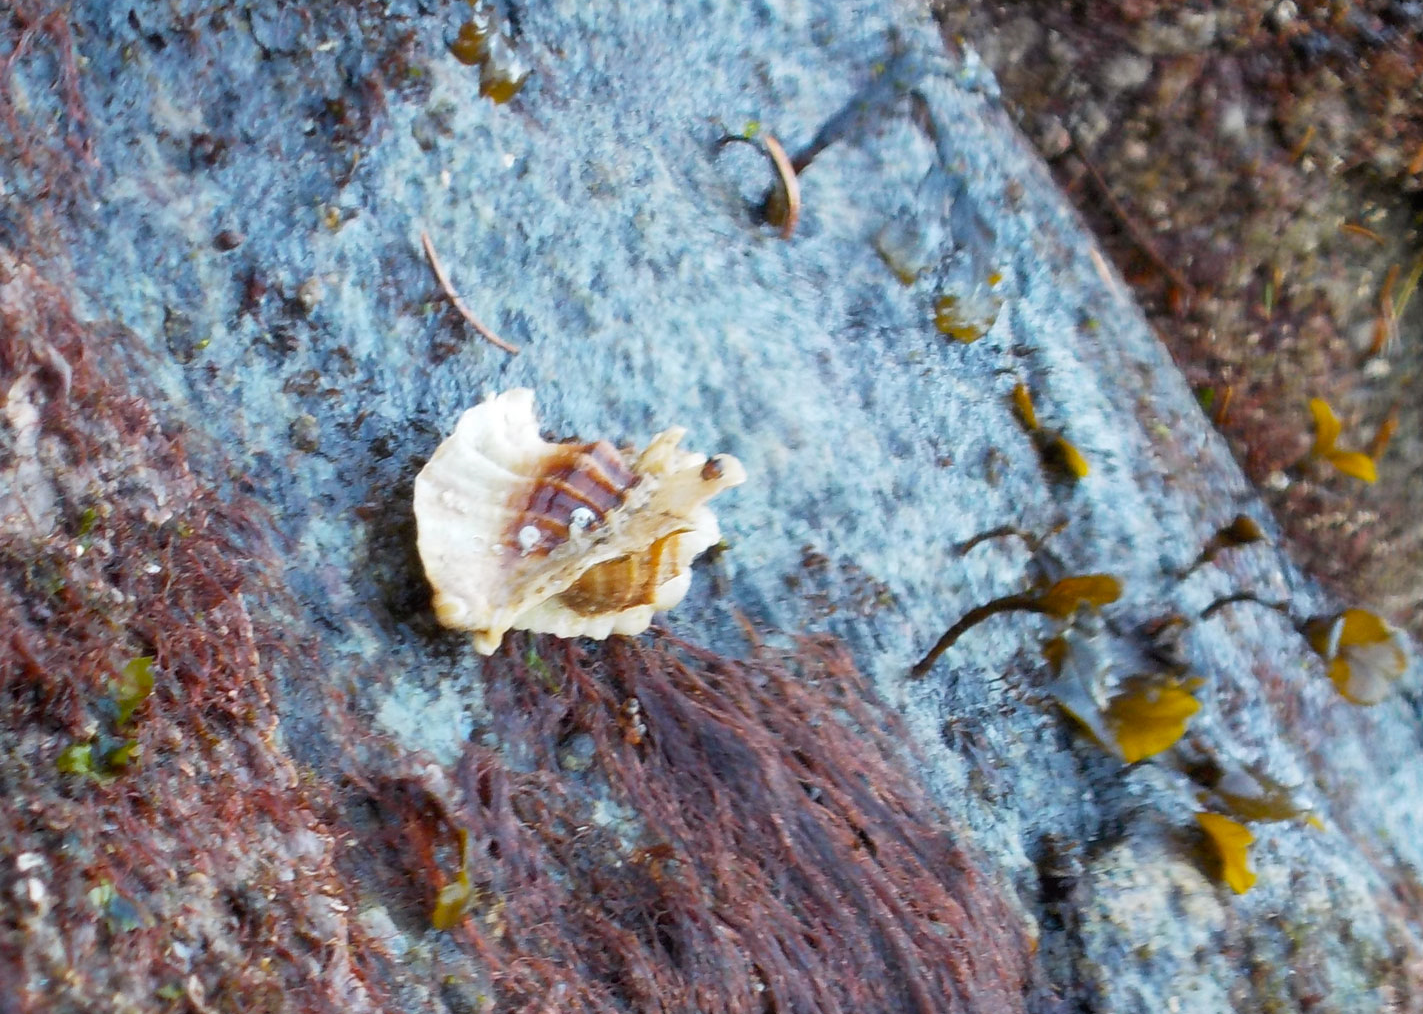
column 187, row 864
column 751, row 844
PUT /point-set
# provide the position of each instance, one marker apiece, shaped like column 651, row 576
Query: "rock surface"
column 248, row 234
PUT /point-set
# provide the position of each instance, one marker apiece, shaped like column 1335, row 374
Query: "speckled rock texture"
column 211, row 224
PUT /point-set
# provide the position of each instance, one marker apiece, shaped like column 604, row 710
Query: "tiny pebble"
column 27, row 861
column 305, row 433
column 576, row 753
column 310, row 293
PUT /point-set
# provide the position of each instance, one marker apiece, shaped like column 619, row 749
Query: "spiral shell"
column 517, row 533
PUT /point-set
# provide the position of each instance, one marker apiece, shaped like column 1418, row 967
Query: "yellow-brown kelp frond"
column 1137, row 718
column 1023, row 404
column 1059, row 455
column 1063, row 456
column 455, row 899
column 1250, row 794
column 1243, row 530
column 1365, row 655
column 481, row 42
column 1069, row 594
column 1232, row 843
column 1061, row 601
column 1149, row 716
column 1326, row 437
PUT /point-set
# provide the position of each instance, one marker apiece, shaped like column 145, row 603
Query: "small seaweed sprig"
column 1246, row 794
column 1133, row 718
column 1243, row 530
column 455, row 900
column 1059, row 600
column 1058, row 454
column 1232, row 841
column 1327, row 428
column 106, row 755
column 1364, row 655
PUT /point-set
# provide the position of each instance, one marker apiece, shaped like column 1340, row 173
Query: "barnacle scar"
column 574, row 539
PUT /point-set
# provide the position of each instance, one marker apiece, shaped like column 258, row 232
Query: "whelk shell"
column 572, row 539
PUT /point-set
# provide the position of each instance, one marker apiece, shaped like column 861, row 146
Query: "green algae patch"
column 133, row 686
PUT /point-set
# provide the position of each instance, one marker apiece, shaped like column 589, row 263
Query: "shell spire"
column 573, row 539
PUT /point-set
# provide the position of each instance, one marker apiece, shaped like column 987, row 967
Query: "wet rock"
column 593, row 220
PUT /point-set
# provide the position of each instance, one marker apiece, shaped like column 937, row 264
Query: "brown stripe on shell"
column 592, row 477
column 623, row 582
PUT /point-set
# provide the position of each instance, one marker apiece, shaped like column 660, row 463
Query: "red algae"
column 192, row 866
column 752, row 844
column 44, row 139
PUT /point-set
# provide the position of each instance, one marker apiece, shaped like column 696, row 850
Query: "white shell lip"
column 492, row 570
